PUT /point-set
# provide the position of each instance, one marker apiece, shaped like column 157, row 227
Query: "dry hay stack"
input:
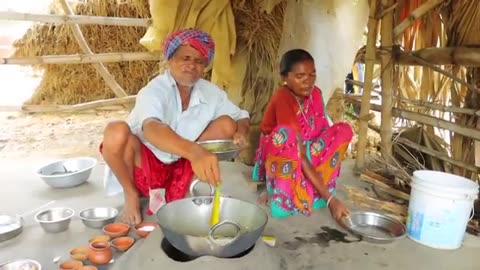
column 76, row 83
column 336, row 106
column 259, row 33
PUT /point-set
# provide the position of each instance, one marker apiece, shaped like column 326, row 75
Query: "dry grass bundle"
column 336, row 106
column 462, row 23
column 71, row 84
column 462, row 18
column 259, row 34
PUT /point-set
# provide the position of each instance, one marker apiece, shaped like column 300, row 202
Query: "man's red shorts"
column 175, row 178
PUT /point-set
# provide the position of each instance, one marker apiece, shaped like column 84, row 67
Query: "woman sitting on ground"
column 300, row 153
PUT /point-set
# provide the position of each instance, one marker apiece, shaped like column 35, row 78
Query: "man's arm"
column 204, row 163
column 165, row 139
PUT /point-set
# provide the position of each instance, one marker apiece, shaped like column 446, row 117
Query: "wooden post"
column 368, row 85
column 101, row 69
column 415, row 15
column 386, row 126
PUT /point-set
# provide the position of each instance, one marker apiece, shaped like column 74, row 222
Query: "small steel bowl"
column 21, row 264
column 98, row 217
column 55, row 220
column 67, row 173
column 224, row 149
column 375, row 227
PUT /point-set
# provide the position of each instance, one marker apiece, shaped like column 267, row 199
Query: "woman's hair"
column 292, row 57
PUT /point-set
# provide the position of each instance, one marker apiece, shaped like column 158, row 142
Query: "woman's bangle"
column 329, row 199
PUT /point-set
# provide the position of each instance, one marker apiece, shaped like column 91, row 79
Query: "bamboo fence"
column 389, row 55
column 87, row 56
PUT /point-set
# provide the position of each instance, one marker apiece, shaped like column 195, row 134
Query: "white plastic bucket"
column 440, row 207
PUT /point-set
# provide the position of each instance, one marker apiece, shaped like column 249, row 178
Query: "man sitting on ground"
column 156, row 147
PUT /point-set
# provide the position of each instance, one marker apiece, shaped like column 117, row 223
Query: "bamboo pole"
column 447, row 74
column 461, row 56
column 354, row 82
column 78, row 107
column 384, row 10
column 426, row 104
column 438, row 155
column 415, row 15
column 440, row 107
column 386, row 126
column 368, row 85
column 428, row 120
column 101, row 69
column 370, row 126
column 74, row 19
column 81, row 58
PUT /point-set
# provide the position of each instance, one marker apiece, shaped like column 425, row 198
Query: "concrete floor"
column 300, row 244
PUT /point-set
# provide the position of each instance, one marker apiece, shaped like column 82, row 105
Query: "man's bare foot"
column 262, row 199
column 131, row 211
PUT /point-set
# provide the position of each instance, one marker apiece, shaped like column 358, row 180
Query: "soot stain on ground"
column 322, row 239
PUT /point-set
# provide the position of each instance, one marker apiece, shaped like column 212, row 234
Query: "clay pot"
column 122, row 243
column 115, row 230
column 80, row 253
column 70, row 265
column 100, row 252
column 145, row 228
column 99, row 238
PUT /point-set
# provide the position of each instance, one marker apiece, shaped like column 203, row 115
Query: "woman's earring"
column 285, row 83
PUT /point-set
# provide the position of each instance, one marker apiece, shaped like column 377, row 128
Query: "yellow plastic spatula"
column 215, row 218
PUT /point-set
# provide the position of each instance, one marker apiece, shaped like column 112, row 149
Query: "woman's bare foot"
column 262, row 199
column 131, row 211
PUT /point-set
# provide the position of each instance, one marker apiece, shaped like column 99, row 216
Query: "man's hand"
column 205, row 165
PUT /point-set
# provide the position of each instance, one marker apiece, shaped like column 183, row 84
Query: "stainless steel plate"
column 375, row 227
column 11, row 229
column 24, row 264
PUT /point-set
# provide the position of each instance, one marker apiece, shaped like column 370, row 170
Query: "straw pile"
column 75, row 83
column 259, row 34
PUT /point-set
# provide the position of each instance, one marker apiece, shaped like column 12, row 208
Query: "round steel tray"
column 374, row 227
column 11, row 230
column 21, row 264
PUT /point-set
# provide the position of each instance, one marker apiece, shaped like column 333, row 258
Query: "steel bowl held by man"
column 224, row 149
column 186, row 225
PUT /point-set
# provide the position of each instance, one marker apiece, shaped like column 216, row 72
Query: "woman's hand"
column 338, row 209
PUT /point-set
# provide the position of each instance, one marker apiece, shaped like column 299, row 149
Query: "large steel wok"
column 185, row 224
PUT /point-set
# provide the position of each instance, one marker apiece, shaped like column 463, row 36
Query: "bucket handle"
column 194, row 183
column 216, row 226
